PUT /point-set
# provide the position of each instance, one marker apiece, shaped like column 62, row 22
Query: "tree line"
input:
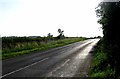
column 10, row 42
column 14, row 43
column 109, row 17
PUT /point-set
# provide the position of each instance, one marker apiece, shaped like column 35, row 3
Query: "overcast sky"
column 40, row 17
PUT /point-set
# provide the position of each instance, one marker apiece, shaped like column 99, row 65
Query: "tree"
column 49, row 36
column 109, row 13
column 61, row 35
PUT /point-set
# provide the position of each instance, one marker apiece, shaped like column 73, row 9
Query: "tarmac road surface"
column 71, row 60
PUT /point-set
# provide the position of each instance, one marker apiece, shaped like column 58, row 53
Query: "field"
column 15, row 46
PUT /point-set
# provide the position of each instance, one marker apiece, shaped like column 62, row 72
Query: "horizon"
column 53, row 36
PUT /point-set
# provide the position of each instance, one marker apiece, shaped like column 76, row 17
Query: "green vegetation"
column 100, row 65
column 107, row 55
column 15, row 46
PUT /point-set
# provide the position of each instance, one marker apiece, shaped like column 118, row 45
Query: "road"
column 71, row 60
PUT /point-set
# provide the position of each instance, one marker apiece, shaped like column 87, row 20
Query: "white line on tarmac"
column 59, row 67
column 22, row 68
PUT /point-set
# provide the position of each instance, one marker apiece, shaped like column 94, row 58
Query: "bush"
column 100, row 65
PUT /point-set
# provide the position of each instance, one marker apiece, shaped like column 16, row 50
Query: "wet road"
column 72, row 60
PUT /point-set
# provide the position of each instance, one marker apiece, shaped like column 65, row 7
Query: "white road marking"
column 44, row 60
column 23, row 68
column 60, row 66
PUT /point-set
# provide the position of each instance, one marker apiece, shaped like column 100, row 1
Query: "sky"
column 40, row 17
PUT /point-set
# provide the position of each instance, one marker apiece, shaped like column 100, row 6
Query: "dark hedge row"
column 109, row 13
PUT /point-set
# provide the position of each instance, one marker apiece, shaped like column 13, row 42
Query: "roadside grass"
column 100, row 68
column 34, row 47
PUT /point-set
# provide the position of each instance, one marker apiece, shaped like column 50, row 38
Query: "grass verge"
column 100, row 68
column 42, row 47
